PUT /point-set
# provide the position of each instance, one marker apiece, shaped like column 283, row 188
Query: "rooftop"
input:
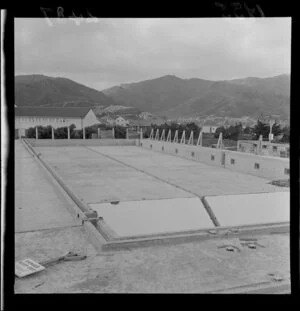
column 63, row 112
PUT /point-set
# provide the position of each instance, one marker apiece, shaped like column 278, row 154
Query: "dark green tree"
column 120, row 132
column 286, row 134
column 247, row 130
column 261, row 128
column 219, row 130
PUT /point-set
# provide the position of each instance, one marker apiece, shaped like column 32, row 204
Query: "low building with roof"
column 26, row 117
column 266, row 148
column 209, row 127
column 120, row 121
column 145, row 124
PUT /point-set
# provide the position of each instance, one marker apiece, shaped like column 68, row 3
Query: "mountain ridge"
column 175, row 97
column 167, row 95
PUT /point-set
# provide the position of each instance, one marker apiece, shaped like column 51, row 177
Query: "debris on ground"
column 280, row 182
column 28, row 266
column 230, row 248
column 114, row 202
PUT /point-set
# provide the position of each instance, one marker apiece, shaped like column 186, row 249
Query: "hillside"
column 174, row 97
column 39, row 90
column 165, row 96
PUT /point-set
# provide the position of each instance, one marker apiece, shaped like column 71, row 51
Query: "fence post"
column 259, row 145
column 151, row 133
column 169, row 136
column 163, row 135
column 182, row 140
column 52, row 131
column 175, row 140
column 98, row 132
column 191, row 139
column 157, row 135
column 68, row 132
column 127, row 134
column 83, row 132
column 199, row 141
column 141, row 134
column 113, row 132
column 220, row 141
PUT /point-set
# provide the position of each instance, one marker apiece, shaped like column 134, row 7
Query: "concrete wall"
column 196, row 153
column 81, row 142
column 269, row 167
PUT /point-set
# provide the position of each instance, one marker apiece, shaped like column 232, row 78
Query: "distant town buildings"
column 120, row 121
column 209, row 127
column 266, row 148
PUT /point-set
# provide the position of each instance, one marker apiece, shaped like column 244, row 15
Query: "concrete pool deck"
column 194, row 267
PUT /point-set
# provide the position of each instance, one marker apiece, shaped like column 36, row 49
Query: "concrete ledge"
column 210, row 156
column 80, row 142
column 200, row 235
column 261, row 166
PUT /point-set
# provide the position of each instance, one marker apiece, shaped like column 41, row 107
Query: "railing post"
column 259, row 145
column 220, row 141
column 191, row 139
column 113, row 132
column 182, row 140
column 162, row 138
column 151, row 133
column 141, row 134
column 169, row 136
column 199, row 141
column 157, row 135
column 175, row 140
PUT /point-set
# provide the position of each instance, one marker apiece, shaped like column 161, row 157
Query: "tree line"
column 233, row 132
column 62, row 132
column 236, row 132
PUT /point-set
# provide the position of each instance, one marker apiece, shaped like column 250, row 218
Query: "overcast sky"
column 109, row 52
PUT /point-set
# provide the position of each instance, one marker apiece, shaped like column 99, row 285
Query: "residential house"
column 120, row 121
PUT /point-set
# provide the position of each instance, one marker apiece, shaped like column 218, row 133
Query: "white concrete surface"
column 39, row 204
column 196, row 177
column 248, row 209
column 154, row 216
